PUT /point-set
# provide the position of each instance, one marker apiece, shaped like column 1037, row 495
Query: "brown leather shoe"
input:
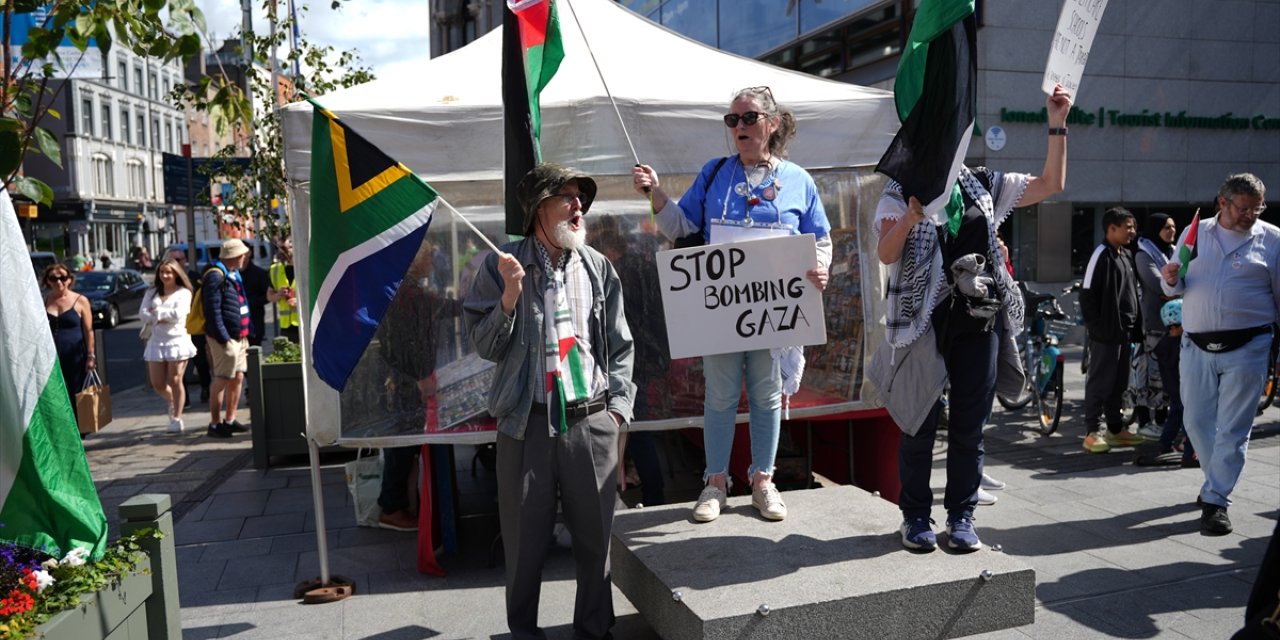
column 400, row 520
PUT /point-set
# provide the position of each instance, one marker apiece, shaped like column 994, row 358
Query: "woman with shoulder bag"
column 949, row 279
column 164, row 317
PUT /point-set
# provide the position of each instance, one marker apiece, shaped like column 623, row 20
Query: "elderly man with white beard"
column 548, row 310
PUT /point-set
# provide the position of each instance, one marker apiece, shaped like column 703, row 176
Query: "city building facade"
column 109, row 192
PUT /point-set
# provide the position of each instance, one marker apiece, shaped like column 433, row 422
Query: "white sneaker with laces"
column 1151, row 431
column 175, row 425
column 768, row 502
column 985, row 498
column 709, row 504
column 990, row 484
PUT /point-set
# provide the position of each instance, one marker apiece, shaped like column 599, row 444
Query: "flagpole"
column 616, row 112
column 471, row 226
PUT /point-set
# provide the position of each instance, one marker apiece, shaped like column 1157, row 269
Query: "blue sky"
column 391, row 35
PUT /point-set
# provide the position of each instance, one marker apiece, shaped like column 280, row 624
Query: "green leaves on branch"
column 34, row 189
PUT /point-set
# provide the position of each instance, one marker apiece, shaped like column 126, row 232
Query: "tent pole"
column 317, row 497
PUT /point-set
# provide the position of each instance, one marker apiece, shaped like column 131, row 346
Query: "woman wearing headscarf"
column 1155, row 248
column 752, row 193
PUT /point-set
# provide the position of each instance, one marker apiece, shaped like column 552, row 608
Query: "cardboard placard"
column 1072, row 40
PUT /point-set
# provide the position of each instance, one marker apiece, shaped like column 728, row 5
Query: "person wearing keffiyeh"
column 548, row 310
column 922, row 304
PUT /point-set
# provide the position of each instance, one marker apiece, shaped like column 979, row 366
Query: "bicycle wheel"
column 1014, row 404
column 1050, row 403
column 1268, row 392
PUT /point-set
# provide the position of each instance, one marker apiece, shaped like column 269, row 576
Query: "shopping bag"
column 93, row 404
column 364, row 481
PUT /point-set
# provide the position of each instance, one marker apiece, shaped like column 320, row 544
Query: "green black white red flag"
column 935, row 93
column 531, row 53
column 1187, row 250
column 47, row 497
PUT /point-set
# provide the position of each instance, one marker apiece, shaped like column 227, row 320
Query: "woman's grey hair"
column 1242, row 184
column 786, row 120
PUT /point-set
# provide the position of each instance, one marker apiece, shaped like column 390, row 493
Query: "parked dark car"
column 113, row 295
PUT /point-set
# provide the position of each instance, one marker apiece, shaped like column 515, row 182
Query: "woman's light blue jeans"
column 723, row 374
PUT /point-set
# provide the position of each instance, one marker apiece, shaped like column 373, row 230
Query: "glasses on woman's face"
column 59, row 278
column 749, row 118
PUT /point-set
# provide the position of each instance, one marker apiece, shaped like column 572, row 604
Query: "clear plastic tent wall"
column 420, row 380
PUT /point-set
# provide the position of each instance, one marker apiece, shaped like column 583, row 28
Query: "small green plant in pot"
column 284, row 350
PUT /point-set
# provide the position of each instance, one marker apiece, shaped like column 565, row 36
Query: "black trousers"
column 971, row 366
column 1105, row 383
column 397, row 464
column 577, row 469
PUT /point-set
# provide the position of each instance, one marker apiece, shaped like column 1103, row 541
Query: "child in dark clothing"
column 1167, row 355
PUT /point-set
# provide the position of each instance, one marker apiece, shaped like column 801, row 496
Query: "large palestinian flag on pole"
column 531, row 54
column 369, row 215
column 935, row 93
column 47, row 497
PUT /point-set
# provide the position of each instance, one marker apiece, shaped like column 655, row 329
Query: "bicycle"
column 1273, row 375
column 1042, row 359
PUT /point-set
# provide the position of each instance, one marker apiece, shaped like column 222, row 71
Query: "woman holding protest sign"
column 753, row 194
column 949, row 300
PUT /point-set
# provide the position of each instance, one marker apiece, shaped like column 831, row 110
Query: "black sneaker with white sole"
column 220, row 430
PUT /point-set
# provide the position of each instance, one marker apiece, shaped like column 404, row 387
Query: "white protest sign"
column 725, row 298
column 1072, row 40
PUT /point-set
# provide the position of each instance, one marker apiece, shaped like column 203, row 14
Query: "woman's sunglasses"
column 59, row 278
column 750, row 118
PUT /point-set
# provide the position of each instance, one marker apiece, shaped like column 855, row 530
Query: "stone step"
column 835, row 568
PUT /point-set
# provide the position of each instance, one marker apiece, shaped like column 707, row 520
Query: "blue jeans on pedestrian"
column 1220, row 394
column 723, row 374
column 971, row 366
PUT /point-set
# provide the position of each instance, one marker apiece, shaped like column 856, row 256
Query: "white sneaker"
column 768, row 502
column 990, row 484
column 175, row 425
column 1151, row 431
column 710, row 502
column 984, row 498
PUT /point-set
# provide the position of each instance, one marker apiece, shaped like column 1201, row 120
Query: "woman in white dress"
column 169, row 347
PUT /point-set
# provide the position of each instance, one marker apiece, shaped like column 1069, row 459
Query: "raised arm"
column 1053, row 177
column 893, row 233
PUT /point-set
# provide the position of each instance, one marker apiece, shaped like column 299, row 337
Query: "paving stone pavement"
column 1116, row 548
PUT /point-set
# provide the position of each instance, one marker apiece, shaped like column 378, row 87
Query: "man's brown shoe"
column 400, row 520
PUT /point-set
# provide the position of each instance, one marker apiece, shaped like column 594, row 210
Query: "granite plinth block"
column 835, row 568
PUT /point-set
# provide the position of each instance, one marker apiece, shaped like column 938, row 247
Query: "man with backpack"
column 226, row 328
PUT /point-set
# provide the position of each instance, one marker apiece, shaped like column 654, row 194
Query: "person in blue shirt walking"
column 1231, row 300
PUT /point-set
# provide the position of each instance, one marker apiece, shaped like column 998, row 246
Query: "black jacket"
column 1109, row 297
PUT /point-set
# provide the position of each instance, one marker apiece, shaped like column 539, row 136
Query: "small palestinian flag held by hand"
column 1187, row 252
column 935, row 92
column 531, row 53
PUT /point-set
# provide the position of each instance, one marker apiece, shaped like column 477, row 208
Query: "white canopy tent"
column 671, row 92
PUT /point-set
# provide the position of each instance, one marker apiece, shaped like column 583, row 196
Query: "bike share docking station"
column 835, row 568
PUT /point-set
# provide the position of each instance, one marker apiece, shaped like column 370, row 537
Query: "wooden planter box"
column 144, row 605
column 279, row 412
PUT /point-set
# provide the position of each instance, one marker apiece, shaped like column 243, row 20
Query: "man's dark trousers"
column 579, row 469
column 1105, row 384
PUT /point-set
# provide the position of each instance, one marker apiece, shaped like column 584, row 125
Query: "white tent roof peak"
column 670, row 90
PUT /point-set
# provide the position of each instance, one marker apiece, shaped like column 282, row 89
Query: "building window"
column 102, row 174
column 168, row 137
column 122, row 75
column 106, row 119
column 126, row 134
column 86, row 116
column 142, row 130
column 137, row 179
column 155, row 133
column 151, row 86
column 696, row 20
column 137, row 79
column 744, row 29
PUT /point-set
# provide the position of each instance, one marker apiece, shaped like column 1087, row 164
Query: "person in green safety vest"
column 282, row 292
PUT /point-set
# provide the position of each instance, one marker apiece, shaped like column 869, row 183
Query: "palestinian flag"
column 1187, row 250
column 47, row 497
column 531, row 54
column 935, row 93
column 369, row 215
